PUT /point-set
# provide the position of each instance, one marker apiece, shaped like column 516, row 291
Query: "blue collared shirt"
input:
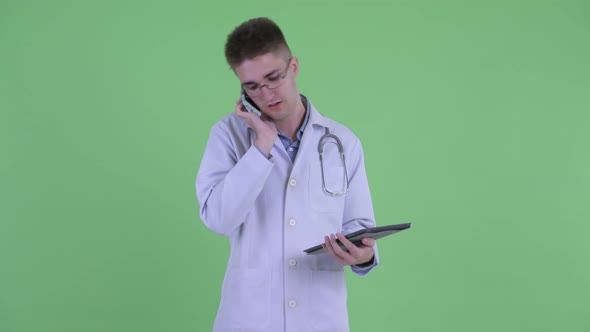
column 293, row 146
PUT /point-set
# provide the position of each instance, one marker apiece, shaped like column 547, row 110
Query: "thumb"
column 369, row 241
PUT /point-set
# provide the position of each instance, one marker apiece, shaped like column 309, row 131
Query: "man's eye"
column 272, row 79
column 251, row 87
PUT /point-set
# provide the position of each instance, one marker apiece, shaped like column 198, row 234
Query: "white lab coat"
column 271, row 210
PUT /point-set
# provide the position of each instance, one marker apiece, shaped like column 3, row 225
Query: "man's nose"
column 266, row 93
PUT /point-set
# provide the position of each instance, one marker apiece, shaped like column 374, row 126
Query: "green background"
column 475, row 122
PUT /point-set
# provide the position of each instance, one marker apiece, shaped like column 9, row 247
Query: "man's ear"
column 295, row 65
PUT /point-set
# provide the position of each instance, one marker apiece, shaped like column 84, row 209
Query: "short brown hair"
column 256, row 36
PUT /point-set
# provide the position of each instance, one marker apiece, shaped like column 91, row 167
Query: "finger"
column 352, row 248
column 328, row 247
column 369, row 242
column 339, row 252
column 239, row 107
column 252, row 119
column 240, row 110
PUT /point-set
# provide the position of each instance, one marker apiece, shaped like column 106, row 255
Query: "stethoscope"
column 338, row 143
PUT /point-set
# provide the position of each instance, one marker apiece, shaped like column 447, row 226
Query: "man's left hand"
column 355, row 255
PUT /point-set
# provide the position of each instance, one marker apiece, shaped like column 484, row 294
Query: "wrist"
column 264, row 146
column 367, row 263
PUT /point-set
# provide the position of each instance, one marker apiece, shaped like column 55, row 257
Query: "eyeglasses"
column 254, row 89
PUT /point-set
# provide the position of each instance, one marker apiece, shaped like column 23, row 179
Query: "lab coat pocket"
column 334, row 181
column 328, row 300
column 246, row 300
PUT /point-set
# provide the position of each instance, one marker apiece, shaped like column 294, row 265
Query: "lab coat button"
column 292, row 304
column 292, row 222
column 292, row 182
column 292, row 263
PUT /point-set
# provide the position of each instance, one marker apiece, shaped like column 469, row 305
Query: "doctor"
column 260, row 184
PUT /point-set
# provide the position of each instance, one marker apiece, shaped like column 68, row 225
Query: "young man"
column 262, row 184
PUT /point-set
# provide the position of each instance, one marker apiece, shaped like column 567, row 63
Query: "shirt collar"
column 305, row 120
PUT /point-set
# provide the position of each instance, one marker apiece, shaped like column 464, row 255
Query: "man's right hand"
column 263, row 126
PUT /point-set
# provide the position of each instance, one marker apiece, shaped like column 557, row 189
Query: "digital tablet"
column 356, row 237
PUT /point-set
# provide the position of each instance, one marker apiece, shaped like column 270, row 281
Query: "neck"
column 289, row 127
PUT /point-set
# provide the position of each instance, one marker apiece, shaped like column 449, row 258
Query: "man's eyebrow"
column 271, row 73
column 265, row 76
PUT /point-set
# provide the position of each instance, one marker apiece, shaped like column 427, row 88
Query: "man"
column 261, row 183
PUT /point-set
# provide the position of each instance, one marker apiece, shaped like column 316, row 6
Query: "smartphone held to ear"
column 249, row 104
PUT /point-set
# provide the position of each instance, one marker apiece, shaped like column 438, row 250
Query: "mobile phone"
column 249, row 104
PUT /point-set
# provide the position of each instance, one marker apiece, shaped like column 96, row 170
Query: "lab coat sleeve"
column 228, row 184
column 358, row 210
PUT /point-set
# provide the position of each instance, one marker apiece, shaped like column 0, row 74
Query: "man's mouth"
column 274, row 105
